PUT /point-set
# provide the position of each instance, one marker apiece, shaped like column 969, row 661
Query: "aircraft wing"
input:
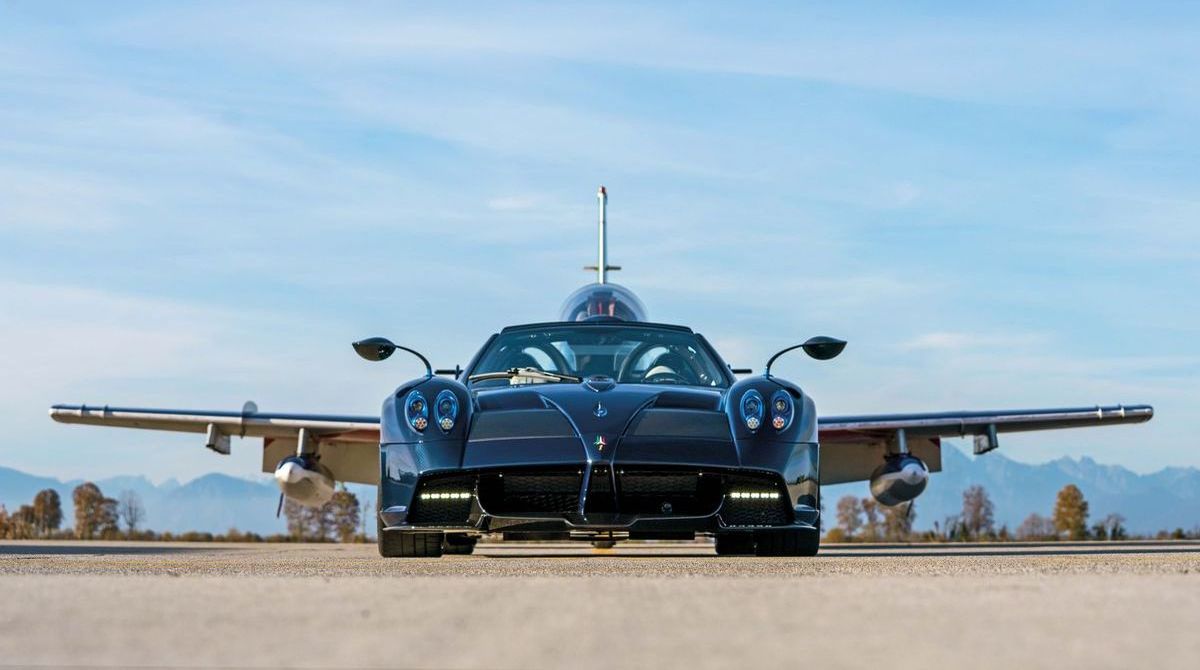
column 349, row 445
column 853, row 446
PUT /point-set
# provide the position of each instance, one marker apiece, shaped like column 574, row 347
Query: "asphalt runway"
column 1060, row 605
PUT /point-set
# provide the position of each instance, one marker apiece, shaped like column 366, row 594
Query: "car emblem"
column 600, row 443
column 600, row 411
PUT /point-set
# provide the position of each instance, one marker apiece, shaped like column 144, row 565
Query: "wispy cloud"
column 962, row 341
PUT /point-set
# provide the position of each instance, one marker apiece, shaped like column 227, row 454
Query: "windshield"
column 626, row 353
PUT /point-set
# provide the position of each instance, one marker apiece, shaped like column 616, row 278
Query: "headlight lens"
column 445, row 410
column 782, row 410
column 416, row 411
column 752, row 409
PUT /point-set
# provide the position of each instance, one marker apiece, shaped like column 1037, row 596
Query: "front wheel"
column 735, row 544
column 458, row 543
column 791, row 542
column 399, row 544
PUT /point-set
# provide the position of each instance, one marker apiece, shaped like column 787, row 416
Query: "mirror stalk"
column 820, row 347
column 381, row 348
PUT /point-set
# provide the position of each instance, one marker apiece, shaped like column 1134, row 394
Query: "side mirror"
column 381, row 348
column 375, row 348
column 823, row 348
column 820, row 347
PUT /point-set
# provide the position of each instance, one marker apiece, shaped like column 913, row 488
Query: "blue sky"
column 205, row 203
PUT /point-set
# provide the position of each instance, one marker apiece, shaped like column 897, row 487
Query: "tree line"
column 98, row 517
column 865, row 520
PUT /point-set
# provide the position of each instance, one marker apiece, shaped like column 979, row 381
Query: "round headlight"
column 416, row 411
column 752, row 409
column 782, row 410
column 445, row 410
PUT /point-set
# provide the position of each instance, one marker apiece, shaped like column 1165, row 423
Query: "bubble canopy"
column 603, row 301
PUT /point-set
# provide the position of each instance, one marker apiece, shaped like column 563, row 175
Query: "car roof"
column 597, row 323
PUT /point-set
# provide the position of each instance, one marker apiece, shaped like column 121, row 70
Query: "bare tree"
column 849, row 515
column 898, row 521
column 977, row 512
column 299, row 524
column 1114, row 526
column 344, row 515
column 309, row 524
column 1035, row 527
column 1070, row 513
column 131, row 511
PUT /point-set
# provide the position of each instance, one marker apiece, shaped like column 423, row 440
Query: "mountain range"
column 1167, row 499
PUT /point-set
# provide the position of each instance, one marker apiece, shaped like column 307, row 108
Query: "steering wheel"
column 623, row 373
column 664, row 376
column 673, row 377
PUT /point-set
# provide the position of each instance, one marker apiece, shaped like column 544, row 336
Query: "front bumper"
column 625, row 501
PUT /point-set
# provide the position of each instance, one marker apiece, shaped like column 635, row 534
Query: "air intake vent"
column 525, row 493
column 507, row 424
column 679, row 400
column 443, row 501
column 755, row 502
column 682, row 424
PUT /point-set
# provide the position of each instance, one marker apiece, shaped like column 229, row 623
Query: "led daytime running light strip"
column 754, row 495
column 460, row 495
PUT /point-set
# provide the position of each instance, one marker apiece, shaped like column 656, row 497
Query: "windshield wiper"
column 528, row 373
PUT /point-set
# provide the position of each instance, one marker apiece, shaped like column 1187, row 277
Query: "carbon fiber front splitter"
column 633, row 526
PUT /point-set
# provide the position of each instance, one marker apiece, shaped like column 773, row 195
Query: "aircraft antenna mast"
column 602, row 267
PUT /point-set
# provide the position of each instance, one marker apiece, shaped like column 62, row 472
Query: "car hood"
column 555, row 421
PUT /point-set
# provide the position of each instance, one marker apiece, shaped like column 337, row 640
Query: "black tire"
column 400, row 544
column 458, row 544
column 788, row 542
column 604, row 544
column 735, row 544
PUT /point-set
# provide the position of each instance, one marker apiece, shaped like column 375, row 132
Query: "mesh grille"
column 668, row 493
column 527, row 493
column 429, row 511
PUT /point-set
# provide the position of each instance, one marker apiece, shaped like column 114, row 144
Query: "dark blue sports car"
column 602, row 430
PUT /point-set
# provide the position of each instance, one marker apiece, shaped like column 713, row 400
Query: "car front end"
column 601, row 457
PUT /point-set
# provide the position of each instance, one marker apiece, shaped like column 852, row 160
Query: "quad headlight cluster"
column 754, row 410
column 416, row 411
column 782, row 410
column 445, row 410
